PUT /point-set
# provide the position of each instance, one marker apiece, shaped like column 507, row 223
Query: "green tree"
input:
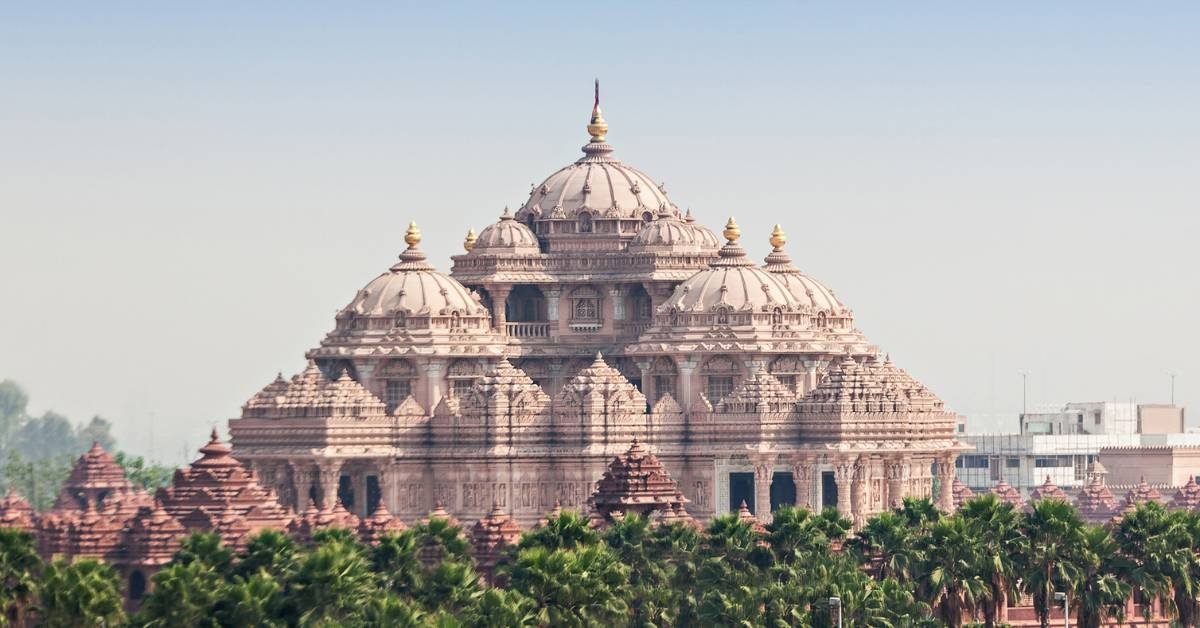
column 255, row 600
column 13, row 404
column 581, row 587
column 501, row 608
column 98, row 430
column 949, row 576
column 996, row 526
column 833, row 525
column 184, row 594
column 82, row 594
column 51, row 435
column 397, row 561
column 333, row 585
column 396, row 612
column 887, row 545
column 1052, row 533
column 20, row 568
column 566, row 531
column 795, row 533
column 633, row 540
column 38, row 480
column 268, row 551
column 918, row 511
column 1100, row 592
column 451, row 586
column 207, row 549
column 147, row 475
column 1160, row 546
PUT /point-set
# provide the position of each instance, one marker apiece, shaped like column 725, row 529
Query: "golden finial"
column 778, row 237
column 469, row 242
column 732, row 232
column 597, row 128
column 413, row 236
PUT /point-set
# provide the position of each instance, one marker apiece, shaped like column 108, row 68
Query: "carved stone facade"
column 594, row 315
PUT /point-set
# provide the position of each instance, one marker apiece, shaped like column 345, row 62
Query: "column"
column 434, row 374
column 552, row 298
column 764, row 472
column 860, row 499
column 895, row 476
column 843, row 474
column 329, row 474
column 802, row 473
column 500, row 306
column 615, row 293
column 358, row 481
column 687, row 367
column 810, row 378
column 945, row 469
column 303, row 476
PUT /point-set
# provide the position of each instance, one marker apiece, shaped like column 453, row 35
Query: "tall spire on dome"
column 413, row 258
column 597, row 128
column 732, row 254
column 778, row 261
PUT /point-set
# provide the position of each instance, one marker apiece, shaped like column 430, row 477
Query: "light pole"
column 1059, row 596
column 835, row 604
column 1172, row 375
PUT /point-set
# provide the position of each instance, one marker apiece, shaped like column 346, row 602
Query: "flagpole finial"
column 597, row 128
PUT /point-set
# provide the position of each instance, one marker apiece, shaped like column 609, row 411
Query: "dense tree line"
column 912, row 567
column 36, row 452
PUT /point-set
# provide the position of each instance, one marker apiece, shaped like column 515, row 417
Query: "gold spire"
column 597, row 128
column 412, row 237
column 778, row 237
column 732, row 232
column 469, row 242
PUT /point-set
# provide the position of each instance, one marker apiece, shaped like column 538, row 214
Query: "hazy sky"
column 188, row 194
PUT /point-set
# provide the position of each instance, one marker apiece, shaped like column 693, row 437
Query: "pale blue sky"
column 188, row 194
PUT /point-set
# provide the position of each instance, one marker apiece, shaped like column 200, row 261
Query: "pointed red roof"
column 1187, row 496
column 745, row 515
column 1050, row 490
column 491, row 535
column 1007, row 493
column 1096, row 503
column 1143, row 493
column 636, row 482
column 380, row 522
column 16, row 513
column 962, row 492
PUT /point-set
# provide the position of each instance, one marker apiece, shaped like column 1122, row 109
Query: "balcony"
column 527, row 330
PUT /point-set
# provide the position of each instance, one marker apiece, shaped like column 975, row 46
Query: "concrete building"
column 1062, row 444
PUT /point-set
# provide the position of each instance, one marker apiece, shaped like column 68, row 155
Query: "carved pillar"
column 860, row 501
column 764, row 472
column 615, row 294
column 500, row 306
column 303, row 476
column 802, row 472
column 945, row 469
column 552, row 299
column 687, row 370
column 434, row 382
column 810, row 378
column 329, row 474
column 895, row 475
column 843, row 474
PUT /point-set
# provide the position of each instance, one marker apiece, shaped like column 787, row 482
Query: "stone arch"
column 397, row 379
column 641, row 307
column 664, row 378
column 721, row 375
column 526, row 304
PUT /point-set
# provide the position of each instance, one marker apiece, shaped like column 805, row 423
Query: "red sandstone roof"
column 95, row 473
column 1007, row 493
column 676, row 514
column 1095, row 502
column 760, row 392
column 153, row 536
column 1188, row 496
column 439, row 512
column 380, row 522
column 491, row 534
column 961, row 492
column 1143, row 493
column 310, row 394
column 15, row 512
column 745, row 515
column 878, row 386
column 1048, row 489
column 636, row 482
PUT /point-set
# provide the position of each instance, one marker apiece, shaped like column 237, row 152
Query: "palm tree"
column 1053, row 534
column 887, row 545
column 566, row 531
column 1100, row 592
column 950, row 572
column 581, row 587
column 1163, row 563
column 501, row 608
column 997, row 527
column 208, row 549
column 833, row 525
column 82, row 594
column 395, row 612
column 918, row 511
column 20, row 567
column 451, row 586
column 794, row 533
column 438, row 540
column 396, row 559
column 185, row 594
column 333, row 584
column 632, row 540
column 269, row 551
column 256, row 600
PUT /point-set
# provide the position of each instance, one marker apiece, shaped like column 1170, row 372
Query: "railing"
column 528, row 330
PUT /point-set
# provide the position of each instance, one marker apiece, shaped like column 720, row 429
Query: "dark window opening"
column 374, row 494
column 345, row 492
column 741, row 489
column 783, row 490
column 137, row 585
column 829, row 490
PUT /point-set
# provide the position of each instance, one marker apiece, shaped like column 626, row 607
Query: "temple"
column 595, row 315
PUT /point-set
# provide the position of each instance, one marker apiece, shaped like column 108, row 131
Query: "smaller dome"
column 731, row 281
column 705, row 238
column 506, row 237
column 413, row 287
column 665, row 234
column 808, row 291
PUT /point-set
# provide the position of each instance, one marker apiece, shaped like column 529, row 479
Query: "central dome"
column 598, row 185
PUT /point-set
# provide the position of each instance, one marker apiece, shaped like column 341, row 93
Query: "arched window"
column 397, row 377
column 647, row 217
column 720, row 378
column 585, row 222
column 585, row 305
column 665, row 376
column 137, row 585
column 463, row 374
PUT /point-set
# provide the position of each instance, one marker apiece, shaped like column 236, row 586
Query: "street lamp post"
column 835, row 604
column 1059, row 596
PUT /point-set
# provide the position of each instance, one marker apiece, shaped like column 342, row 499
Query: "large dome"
column 412, row 287
column 808, row 291
column 504, row 237
column 598, row 185
column 733, row 282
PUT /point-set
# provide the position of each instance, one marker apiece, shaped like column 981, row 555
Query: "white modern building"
column 1062, row 443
